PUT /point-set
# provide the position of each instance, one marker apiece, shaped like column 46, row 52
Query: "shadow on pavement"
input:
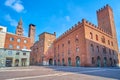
column 108, row 72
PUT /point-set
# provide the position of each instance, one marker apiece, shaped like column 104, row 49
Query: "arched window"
column 63, row 62
column 111, row 63
column 97, row 48
column 98, row 61
column 62, row 45
column 69, row 61
column 105, row 61
column 104, row 50
column 91, row 35
column 76, row 40
column 111, row 43
column 109, row 51
column 92, row 47
column 68, row 41
column 103, row 39
column 108, row 42
column 96, row 37
column 93, row 60
column 77, row 49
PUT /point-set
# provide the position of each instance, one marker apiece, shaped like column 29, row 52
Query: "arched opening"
column 98, row 62
column 77, row 61
column 55, row 62
column 58, row 62
column 111, row 63
column 24, row 61
column 115, row 62
column 92, row 47
column 97, row 48
column 93, row 60
column 96, row 37
column 103, row 39
column 69, row 62
column 63, row 62
column 105, row 62
column 17, row 62
column 91, row 35
column 50, row 61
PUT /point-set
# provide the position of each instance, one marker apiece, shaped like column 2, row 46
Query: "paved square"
column 59, row 73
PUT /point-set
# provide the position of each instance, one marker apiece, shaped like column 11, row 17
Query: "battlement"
column 85, row 22
column 89, row 23
column 70, row 30
column 79, row 24
column 105, row 7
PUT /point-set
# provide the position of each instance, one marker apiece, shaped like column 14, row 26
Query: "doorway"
column 8, row 62
column 77, row 61
column 23, row 61
column 17, row 62
column 98, row 62
column 50, row 62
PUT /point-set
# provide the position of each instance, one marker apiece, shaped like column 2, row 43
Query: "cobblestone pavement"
column 59, row 73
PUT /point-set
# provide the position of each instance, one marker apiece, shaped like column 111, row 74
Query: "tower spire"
column 20, row 21
column 19, row 30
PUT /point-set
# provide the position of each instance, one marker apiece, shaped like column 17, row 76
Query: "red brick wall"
column 15, row 43
column 63, row 52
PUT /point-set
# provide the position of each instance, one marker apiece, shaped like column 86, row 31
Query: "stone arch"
column 69, row 61
column 111, row 63
column 105, row 61
column 98, row 61
column 50, row 61
column 115, row 62
column 17, row 62
column 63, row 62
column 58, row 62
column 77, row 61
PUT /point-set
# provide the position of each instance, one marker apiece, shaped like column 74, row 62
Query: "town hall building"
column 85, row 44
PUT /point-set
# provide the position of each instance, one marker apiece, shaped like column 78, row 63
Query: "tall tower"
column 106, row 22
column 19, row 30
column 31, row 33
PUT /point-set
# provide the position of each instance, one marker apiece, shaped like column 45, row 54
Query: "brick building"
column 2, row 36
column 42, row 50
column 16, row 49
column 35, row 54
column 88, row 45
column 84, row 44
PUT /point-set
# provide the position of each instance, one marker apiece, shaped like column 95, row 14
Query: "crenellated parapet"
column 82, row 23
column 88, row 23
column 85, row 22
column 106, row 6
column 76, row 26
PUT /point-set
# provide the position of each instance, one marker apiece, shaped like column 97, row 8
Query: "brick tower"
column 31, row 33
column 106, row 22
column 19, row 30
